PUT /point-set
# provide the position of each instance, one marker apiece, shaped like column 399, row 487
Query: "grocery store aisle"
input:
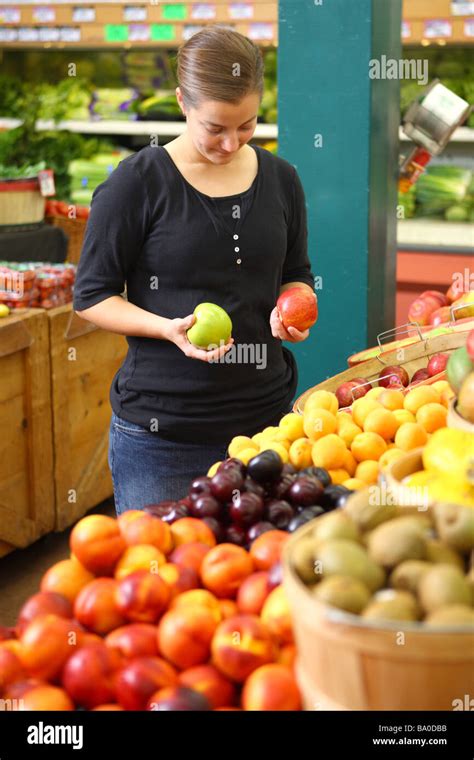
column 21, row 571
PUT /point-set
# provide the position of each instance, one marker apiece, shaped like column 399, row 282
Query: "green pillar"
column 339, row 128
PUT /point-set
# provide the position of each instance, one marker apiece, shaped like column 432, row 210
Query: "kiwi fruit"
column 390, row 604
column 335, row 525
column 451, row 614
column 342, row 557
column 455, row 526
column 442, row 585
column 439, row 553
column 397, row 540
column 343, row 592
column 407, row 575
column 303, row 559
column 368, row 516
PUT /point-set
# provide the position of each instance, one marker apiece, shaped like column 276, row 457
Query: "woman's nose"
column 230, row 143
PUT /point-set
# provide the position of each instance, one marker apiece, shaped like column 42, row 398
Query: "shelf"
column 106, row 127
column 434, row 234
column 175, row 128
column 461, row 135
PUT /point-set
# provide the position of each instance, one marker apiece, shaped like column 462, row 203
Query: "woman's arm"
column 119, row 316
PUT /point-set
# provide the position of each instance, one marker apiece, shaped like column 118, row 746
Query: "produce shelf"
column 435, row 234
column 111, row 127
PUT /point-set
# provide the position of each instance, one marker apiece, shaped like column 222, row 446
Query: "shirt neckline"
column 219, row 197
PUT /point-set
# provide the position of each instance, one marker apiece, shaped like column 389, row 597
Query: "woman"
column 206, row 218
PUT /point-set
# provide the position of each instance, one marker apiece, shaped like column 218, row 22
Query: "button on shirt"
column 175, row 247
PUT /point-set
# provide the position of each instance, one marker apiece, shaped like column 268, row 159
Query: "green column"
column 339, row 128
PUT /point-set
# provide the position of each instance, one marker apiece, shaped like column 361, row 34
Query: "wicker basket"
column 21, row 202
column 74, row 229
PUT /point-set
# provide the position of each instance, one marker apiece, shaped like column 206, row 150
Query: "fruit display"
column 36, row 284
column 298, row 308
column 434, row 308
column 212, row 326
column 460, row 373
column 403, row 568
column 108, row 631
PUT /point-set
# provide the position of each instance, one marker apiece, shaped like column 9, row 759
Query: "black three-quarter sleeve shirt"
column 175, row 247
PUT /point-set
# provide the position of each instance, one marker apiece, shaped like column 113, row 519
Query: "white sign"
column 69, row 34
column 28, row 34
column 49, row 34
column 261, row 31
column 406, row 29
column 134, row 13
column 438, row 27
column 138, row 32
column 444, row 104
column 8, row 35
column 83, row 15
column 44, row 15
column 203, row 11
column 10, row 16
column 469, row 27
column 240, row 10
column 190, row 29
column 461, row 8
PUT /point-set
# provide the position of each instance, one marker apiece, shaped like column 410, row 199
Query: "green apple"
column 212, row 326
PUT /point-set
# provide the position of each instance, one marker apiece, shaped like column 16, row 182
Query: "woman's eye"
column 213, row 131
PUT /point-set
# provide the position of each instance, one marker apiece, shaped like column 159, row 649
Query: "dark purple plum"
column 176, row 513
column 250, row 486
column 257, row 529
column 233, row 464
column 331, row 496
column 234, row 534
column 225, row 482
column 161, row 509
column 265, row 467
column 246, row 509
column 305, row 491
column 217, row 528
column 206, row 506
column 279, row 513
column 320, row 473
column 303, row 517
column 199, row 486
column 289, row 469
column 281, row 487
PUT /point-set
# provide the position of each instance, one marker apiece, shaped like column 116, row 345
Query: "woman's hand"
column 292, row 335
column 176, row 333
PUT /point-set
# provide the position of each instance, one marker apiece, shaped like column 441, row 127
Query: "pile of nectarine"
column 148, row 616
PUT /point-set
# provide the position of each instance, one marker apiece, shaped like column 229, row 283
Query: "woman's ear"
column 179, row 98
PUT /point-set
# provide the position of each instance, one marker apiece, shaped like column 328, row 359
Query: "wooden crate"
column 26, row 444
column 84, row 361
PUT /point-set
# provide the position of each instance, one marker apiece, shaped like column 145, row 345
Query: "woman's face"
column 218, row 130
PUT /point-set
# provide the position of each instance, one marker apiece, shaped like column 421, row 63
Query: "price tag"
column 69, row 34
column 203, row 11
column 469, row 27
column 28, row 34
column 461, row 8
column 116, row 32
column 438, row 27
column 190, row 29
column 8, row 35
column 83, row 15
column 138, row 32
column 161, row 32
column 10, row 15
column 178, row 12
column 240, row 10
column 261, row 31
column 46, row 182
column 406, row 30
column 49, row 34
column 134, row 13
column 44, row 15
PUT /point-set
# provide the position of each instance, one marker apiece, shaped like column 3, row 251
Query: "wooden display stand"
column 84, row 360
column 26, row 445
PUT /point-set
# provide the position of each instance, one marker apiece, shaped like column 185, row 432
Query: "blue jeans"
column 147, row 469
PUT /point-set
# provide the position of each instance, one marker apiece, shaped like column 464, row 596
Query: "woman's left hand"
column 292, row 335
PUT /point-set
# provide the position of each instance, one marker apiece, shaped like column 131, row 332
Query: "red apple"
column 419, row 376
column 349, row 391
column 139, row 679
column 297, row 307
column 89, row 675
column 443, row 301
column 437, row 364
column 421, row 309
column 440, row 316
column 470, row 345
column 456, row 290
column 393, row 377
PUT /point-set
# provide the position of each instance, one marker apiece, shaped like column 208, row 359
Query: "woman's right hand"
column 176, row 333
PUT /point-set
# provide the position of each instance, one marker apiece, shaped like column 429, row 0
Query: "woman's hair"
column 219, row 64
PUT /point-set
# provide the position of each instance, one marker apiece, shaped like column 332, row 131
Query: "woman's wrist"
column 159, row 327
